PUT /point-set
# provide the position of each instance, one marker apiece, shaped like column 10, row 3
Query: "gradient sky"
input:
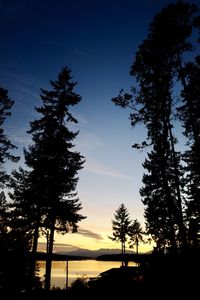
column 97, row 40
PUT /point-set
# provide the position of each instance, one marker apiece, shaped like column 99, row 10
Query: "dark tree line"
column 43, row 197
column 166, row 70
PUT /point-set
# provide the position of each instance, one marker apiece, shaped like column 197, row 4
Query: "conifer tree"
column 189, row 115
column 120, row 227
column 15, row 244
column 135, row 235
column 54, row 163
column 158, row 65
column 5, row 144
column 23, row 196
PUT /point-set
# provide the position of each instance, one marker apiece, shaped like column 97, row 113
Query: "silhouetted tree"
column 136, row 234
column 120, row 227
column 15, row 261
column 157, row 66
column 23, row 196
column 14, row 243
column 5, row 144
column 53, row 162
column 189, row 114
column 3, row 210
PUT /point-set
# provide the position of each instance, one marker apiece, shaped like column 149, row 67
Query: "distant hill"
column 93, row 253
column 80, row 253
column 59, row 256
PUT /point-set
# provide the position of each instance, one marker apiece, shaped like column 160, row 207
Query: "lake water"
column 76, row 269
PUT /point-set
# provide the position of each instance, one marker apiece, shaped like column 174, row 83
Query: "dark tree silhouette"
column 5, row 144
column 189, row 115
column 120, row 227
column 13, row 242
column 15, row 245
column 54, row 164
column 23, row 196
column 135, row 235
column 157, row 67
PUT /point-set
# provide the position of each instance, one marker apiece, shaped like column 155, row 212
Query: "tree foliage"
column 161, row 71
column 120, row 227
column 136, row 234
column 48, row 187
column 5, row 144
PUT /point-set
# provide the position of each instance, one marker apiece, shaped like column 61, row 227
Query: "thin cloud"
column 58, row 247
column 89, row 141
column 25, row 140
column 82, row 121
column 99, row 169
column 90, row 234
column 80, row 53
column 23, row 85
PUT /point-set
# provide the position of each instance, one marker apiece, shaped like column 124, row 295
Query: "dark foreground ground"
column 173, row 276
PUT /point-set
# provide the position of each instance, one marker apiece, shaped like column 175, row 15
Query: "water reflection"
column 81, row 268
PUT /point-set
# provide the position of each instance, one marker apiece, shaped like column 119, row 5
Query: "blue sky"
column 97, row 40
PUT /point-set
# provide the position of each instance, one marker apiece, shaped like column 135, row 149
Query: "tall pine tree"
column 54, row 163
column 120, row 227
column 5, row 144
column 189, row 115
column 158, row 65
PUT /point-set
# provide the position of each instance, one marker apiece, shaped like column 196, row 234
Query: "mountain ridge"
column 94, row 253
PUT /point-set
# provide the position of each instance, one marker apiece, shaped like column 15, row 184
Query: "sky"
column 97, row 40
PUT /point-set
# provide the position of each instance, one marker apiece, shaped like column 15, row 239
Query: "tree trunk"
column 170, row 204
column 181, row 224
column 33, row 257
column 137, row 245
column 192, row 120
column 122, row 248
column 49, row 258
column 124, row 254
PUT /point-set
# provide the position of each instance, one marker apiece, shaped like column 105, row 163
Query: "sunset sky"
column 97, row 40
